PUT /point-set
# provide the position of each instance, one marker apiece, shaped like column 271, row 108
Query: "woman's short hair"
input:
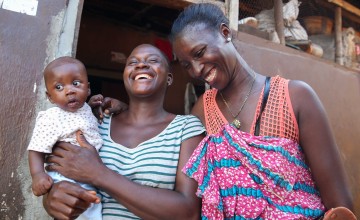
column 204, row 13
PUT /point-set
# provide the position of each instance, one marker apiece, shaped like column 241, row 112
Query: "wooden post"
column 346, row 6
column 339, row 54
column 232, row 12
column 279, row 20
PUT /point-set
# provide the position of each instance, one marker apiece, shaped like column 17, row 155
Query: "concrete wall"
column 337, row 87
column 30, row 36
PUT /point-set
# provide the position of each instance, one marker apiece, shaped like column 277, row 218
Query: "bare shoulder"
column 310, row 113
column 303, row 96
column 298, row 88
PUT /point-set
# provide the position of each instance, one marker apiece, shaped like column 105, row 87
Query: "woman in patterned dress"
column 269, row 152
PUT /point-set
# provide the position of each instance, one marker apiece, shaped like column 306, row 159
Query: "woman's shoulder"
column 301, row 89
column 187, row 119
column 301, row 94
column 296, row 88
column 187, row 116
column 188, row 126
column 188, row 122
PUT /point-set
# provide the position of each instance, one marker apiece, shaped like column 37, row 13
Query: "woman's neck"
column 241, row 81
column 146, row 111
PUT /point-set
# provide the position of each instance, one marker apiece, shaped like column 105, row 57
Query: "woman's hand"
column 81, row 164
column 107, row 105
column 68, row 200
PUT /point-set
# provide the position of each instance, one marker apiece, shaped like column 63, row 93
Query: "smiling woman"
column 143, row 64
column 138, row 172
column 137, row 67
column 260, row 158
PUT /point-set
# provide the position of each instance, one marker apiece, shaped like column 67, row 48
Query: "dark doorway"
column 110, row 29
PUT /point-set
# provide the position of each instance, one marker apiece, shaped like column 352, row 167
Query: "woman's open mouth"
column 143, row 76
column 211, row 76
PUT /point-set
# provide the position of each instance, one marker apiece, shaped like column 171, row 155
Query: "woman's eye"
column 186, row 65
column 59, row 87
column 131, row 62
column 153, row 61
column 76, row 83
column 199, row 53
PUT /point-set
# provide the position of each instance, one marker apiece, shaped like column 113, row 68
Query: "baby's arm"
column 107, row 105
column 41, row 181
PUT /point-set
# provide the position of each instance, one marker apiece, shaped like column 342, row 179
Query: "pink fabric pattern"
column 242, row 176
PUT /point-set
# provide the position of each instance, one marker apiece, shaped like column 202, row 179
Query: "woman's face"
column 146, row 71
column 205, row 54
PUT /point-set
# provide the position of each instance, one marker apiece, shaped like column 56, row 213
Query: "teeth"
column 211, row 76
column 145, row 76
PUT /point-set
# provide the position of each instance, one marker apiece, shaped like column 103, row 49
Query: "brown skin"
column 98, row 103
column 339, row 213
column 41, row 181
column 144, row 119
column 67, row 87
column 68, row 200
column 201, row 54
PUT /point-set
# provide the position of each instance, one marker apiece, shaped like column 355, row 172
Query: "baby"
column 67, row 87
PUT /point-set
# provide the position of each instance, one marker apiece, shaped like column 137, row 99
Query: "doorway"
column 110, row 29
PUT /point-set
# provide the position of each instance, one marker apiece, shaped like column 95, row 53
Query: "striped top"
column 152, row 163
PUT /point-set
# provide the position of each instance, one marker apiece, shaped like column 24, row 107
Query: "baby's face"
column 67, row 86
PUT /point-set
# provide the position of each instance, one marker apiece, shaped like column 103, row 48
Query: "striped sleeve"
column 192, row 127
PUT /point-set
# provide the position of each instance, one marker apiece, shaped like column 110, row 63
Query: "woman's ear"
column 170, row 79
column 225, row 32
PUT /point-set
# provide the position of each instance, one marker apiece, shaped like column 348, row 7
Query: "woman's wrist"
column 103, row 174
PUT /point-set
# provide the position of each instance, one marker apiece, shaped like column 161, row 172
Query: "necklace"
column 236, row 121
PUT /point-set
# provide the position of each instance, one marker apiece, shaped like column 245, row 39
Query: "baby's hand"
column 41, row 183
column 107, row 105
column 97, row 201
column 95, row 102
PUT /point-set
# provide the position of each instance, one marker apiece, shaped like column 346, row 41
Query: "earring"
column 228, row 39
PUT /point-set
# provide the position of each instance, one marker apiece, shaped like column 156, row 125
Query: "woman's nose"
column 142, row 64
column 197, row 68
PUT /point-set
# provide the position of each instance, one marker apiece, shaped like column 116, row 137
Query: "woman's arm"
column 153, row 203
column 321, row 151
column 84, row 165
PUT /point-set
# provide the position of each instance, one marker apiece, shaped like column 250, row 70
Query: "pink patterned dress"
column 242, row 176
